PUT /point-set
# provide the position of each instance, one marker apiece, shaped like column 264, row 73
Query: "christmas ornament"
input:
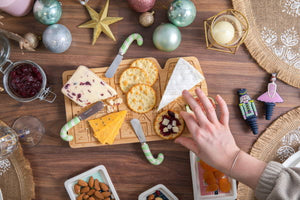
column 47, row 11
column 146, row 19
column 270, row 97
column 33, row 39
column 141, row 5
column 57, row 38
column 100, row 22
column 182, row 12
column 166, row 37
column 248, row 110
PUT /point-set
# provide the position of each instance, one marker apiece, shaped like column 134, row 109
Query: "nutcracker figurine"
column 270, row 97
column 248, row 110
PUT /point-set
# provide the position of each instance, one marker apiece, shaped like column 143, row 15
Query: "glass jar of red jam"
column 24, row 80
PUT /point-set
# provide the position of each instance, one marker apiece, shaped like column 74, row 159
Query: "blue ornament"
column 166, row 37
column 182, row 12
column 57, row 38
column 47, row 11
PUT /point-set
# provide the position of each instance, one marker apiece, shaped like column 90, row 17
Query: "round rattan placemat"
column 17, row 182
column 273, row 39
column 267, row 144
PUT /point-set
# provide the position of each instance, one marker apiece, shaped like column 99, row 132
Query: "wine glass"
column 27, row 129
column 8, row 144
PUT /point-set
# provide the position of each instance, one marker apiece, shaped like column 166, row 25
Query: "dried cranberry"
column 157, row 192
column 171, row 114
column 25, row 80
column 67, row 86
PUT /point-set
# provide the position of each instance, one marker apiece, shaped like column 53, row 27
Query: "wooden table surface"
column 53, row 161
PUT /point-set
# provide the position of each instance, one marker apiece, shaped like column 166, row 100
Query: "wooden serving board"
column 83, row 135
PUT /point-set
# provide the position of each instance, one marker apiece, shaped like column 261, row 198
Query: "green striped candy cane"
column 149, row 156
column 129, row 40
column 64, row 130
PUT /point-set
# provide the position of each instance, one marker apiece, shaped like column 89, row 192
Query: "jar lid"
column 4, row 50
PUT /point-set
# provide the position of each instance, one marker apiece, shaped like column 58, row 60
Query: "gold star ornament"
column 100, row 22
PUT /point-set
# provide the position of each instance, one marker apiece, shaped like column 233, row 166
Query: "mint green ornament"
column 166, row 37
column 182, row 12
column 47, row 11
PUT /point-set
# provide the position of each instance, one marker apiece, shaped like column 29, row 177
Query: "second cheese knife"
column 135, row 123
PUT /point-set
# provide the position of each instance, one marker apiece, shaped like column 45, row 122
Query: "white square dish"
column 232, row 195
column 99, row 173
column 161, row 188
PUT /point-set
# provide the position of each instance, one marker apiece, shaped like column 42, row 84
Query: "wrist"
column 230, row 160
column 247, row 169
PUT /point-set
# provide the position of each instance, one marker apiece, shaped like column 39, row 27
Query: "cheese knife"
column 136, row 125
column 115, row 64
column 73, row 122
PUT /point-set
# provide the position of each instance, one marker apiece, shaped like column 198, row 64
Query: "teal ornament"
column 182, row 12
column 166, row 37
column 57, row 38
column 47, row 11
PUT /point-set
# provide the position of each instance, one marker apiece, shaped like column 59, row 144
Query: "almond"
column 82, row 183
column 104, row 187
column 96, row 185
column 107, row 198
column 91, row 198
column 85, row 189
column 106, row 194
column 91, row 182
column 77, row 189
column 80, row 197
column 99, row 195
column 91, row 192
column 85, row 197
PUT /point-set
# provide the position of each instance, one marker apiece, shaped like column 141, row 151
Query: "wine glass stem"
column 23, row 132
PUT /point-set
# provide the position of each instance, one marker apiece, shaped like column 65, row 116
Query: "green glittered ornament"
column 47, row 11
column 182, row 12
column 166, row 37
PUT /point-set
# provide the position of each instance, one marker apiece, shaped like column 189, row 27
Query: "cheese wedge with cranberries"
column 85, row 87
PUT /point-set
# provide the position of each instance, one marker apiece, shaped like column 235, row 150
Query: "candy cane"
column 64, row 130
column 129, row 40
column 150, row 157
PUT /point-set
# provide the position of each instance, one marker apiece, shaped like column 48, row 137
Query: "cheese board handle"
column 64, row 130
column 129, row 40
column 149, row 156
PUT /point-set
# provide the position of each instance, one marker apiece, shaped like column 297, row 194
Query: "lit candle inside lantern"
column 223, row 32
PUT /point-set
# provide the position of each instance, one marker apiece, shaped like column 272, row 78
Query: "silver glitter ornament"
column 57, row 38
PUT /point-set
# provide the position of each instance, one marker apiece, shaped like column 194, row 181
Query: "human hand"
column 211, row 140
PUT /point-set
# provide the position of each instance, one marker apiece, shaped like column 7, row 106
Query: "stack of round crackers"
column 136, row 82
